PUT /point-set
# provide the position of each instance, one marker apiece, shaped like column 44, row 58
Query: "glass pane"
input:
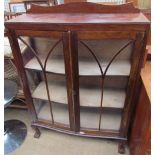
column 44, row 63
column 90, row 119
column 60, row 111
column 96, row 58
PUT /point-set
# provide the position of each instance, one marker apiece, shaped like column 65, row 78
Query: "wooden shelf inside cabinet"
column 89, row 97
column 86, row 66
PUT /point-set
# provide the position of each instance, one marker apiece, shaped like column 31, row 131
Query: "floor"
column 52, row 143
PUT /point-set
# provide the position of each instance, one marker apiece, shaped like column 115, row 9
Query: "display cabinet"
column 85, row 60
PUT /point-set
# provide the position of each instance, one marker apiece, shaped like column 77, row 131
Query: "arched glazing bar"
column 43, row 67
column 104, row 73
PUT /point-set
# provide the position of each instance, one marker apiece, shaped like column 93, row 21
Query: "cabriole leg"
column 37, row 132
column 121, row 147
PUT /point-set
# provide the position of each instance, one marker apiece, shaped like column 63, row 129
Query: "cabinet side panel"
column 20, row 68
column 137, row 58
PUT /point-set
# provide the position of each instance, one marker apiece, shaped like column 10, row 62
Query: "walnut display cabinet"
column 85, row 60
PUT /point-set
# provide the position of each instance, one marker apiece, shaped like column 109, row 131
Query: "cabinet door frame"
column 137, row 58
column 72, row 72
column 13, row 37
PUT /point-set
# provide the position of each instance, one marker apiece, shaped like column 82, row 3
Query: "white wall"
column 119, row 1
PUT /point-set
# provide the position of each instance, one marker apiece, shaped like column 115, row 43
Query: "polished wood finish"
column 70, row 83
column 132, row 86
column 140, row 139
column 72, row 24
column 73, row 81
column 85, row 7
column 146, row 78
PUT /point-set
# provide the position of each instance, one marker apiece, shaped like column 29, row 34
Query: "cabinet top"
column 80, row 18
column 90, row 14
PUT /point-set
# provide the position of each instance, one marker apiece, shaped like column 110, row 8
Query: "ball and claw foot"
column 37, row 133
column 121, row 148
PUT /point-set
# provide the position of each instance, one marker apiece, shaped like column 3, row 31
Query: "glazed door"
column 80, row 81
column 103, row 68
column 41, row 64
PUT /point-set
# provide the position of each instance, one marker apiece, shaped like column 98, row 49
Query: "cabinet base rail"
column 104, row 134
